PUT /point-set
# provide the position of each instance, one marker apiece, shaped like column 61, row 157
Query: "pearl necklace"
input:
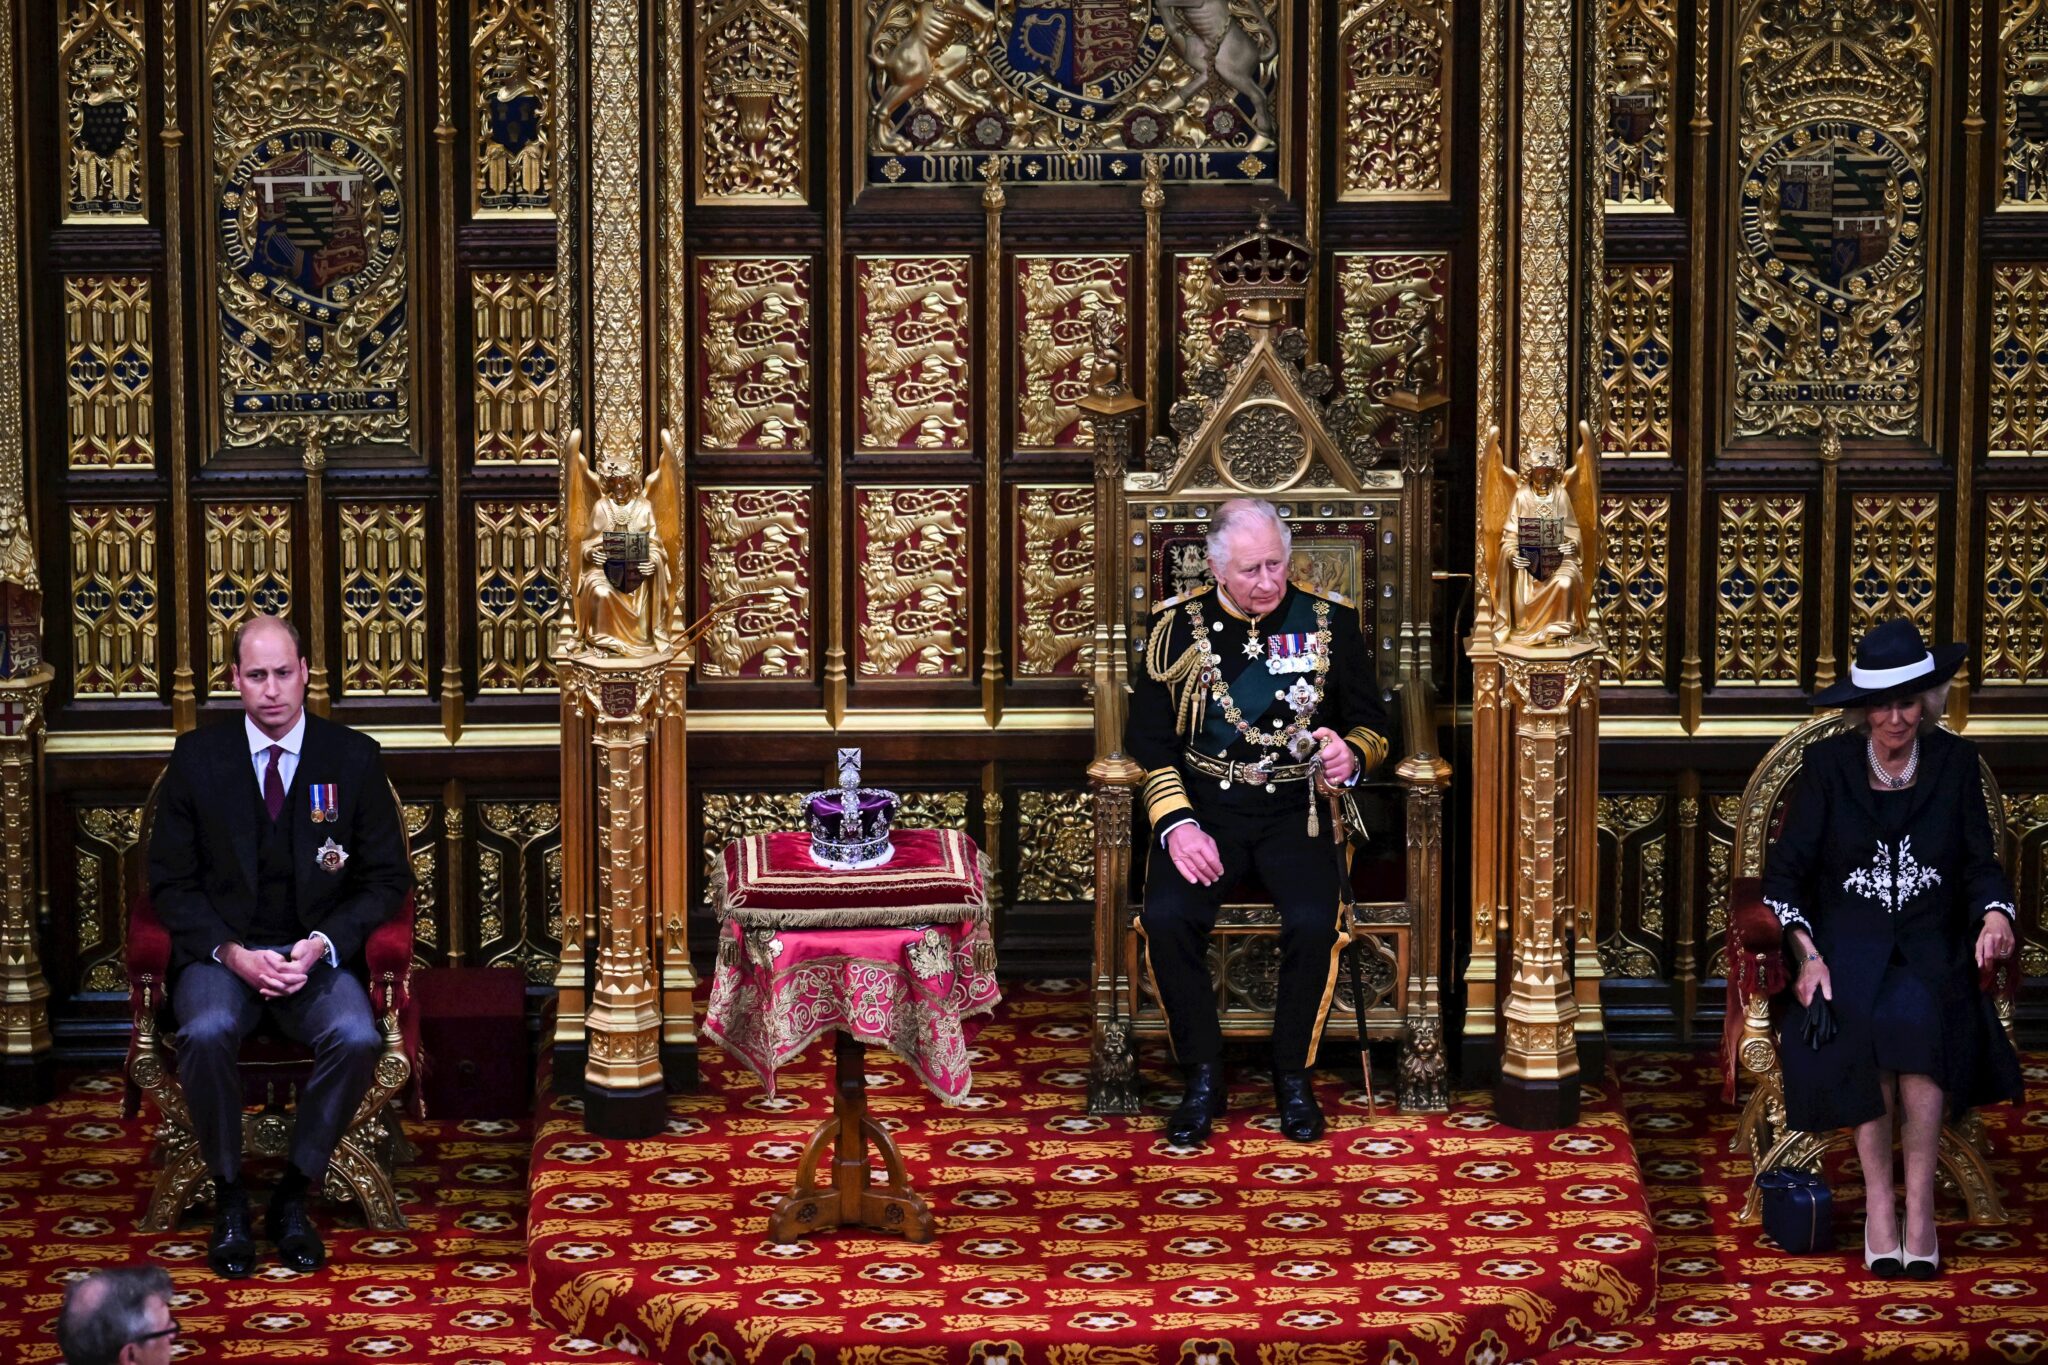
column 1885, row 779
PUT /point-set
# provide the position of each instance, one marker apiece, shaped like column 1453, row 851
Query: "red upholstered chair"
column 1758, row 978
column 272, row 1068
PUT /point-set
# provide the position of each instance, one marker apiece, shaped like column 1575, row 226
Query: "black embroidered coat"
column 1917, row 873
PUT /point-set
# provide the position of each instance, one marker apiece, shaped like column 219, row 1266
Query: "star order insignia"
column 330, row 857
column 1252, row 648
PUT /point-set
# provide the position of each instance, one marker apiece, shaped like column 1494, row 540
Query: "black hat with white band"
column 1891, row 662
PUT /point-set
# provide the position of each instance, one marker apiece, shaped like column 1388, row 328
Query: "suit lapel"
column 236, row 772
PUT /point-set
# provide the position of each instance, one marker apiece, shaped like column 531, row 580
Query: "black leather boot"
column 1301, row 1118
column 1202, row 1102
column 231, row 1248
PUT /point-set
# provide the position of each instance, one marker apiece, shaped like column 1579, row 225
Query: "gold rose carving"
column 626, row 532
column 1542, row 530
column 914, row 580
column 911, row 370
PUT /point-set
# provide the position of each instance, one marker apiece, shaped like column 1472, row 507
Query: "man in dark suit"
column 276, row 850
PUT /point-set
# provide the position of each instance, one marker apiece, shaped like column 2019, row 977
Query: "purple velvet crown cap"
column 828, row 805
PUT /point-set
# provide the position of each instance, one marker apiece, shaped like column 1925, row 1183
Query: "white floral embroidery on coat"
column 1892, row 880
column 1788, row 915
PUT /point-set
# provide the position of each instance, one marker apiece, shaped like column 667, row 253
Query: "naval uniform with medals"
column 1221, row 696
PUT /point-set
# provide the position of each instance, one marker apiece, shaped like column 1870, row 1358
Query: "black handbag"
column 1799, row 1211
column 1819, row 1028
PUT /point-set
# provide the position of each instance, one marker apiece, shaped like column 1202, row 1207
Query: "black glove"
column 1819, row 1028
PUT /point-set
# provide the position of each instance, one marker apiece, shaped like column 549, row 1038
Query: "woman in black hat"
column 1887, row 881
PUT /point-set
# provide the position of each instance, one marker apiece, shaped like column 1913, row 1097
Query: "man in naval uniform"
column 1250, row 691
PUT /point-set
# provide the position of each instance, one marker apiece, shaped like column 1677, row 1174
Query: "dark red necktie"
column 273, row 784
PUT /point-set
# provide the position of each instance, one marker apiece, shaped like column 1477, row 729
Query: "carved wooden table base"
column 852, row 1199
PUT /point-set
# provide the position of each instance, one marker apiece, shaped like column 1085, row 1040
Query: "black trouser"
column 1253, row 831
column 330, row 1013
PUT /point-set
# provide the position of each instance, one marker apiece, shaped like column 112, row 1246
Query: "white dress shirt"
column 287, row 768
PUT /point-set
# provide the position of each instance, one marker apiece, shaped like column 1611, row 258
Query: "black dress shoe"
column 231, row 1248
column 1301, row 1118
column 291, row 1228
column 1201, row 1103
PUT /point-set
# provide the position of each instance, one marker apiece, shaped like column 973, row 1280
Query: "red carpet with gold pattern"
column 1064, row 1237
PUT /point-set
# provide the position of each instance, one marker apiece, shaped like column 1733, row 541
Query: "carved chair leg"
column 1970, row 1173
column 179, row 1185
column 1762, row 1120
column 354, row 1173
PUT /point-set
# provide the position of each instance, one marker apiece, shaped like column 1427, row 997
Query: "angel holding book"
column 1541, row 523
column 623, row 528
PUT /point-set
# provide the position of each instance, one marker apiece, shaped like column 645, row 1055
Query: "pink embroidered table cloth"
column 917, row 989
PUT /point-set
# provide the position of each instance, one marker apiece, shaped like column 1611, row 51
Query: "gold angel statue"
column 1544, row 527
column 626, row 532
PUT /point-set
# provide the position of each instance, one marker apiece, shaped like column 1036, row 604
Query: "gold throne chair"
column 1257, row 424
column 1757, row 975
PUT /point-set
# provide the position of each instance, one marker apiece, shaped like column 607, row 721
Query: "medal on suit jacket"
column 326, row 802
column 330, row 857
column 1291, row 653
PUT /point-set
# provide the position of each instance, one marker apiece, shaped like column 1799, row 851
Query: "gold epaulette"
column 1187, row 596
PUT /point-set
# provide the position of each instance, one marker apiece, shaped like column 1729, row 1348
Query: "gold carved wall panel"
column 1830, row 281
column 1760, row 563
column 102, row 57
column 2026, row 824
column 2023, row 104
column 107, row 865
column 312, row 187
column 1201, row 317
column 518, row 594
column 1055, row 846
column 913, row 586
column 1635, row 361
column 752, row 66
column 1721, row 810
column 1633, row 588
column 384, row 593
column 754, row 330
column 109, row 372
column 755, row 543
column 1894, row 548
column 2019, row 358
column 2015, row 629
column 422, row 832
column 1642, row 60
column 1391, row 330
column 1069, row 93
column 1631, row 837
column 1056, row 300
column 1393, row 64
column 517, row 388
column 512, row 66
column 519, row 886
column 913, row 378
column 1055, row 588
column 115, row 592
column 248, row 573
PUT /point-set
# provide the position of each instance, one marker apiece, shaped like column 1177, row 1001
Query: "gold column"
column 184, row 694
column 449, row 165
column 668, row 856
column 1540, row 1061
column 1118, row 419
column 992, row 198
column 572, row 969
column 1477, row 1041
column 1975, row 17
column 315, row 462
column 1685, row 956
column 453, row 801
column 1311, row 184
column 24, row 994
column 1158, row 331
column 1830, row 519
column 623, row 1092
column 1691, row 679
column 836, row 499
